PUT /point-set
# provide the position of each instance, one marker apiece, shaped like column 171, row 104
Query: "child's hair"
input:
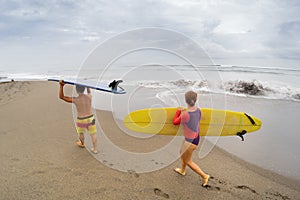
column 191, row 98
column 80, row 89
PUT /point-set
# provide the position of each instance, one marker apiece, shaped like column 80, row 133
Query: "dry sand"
column 39, row 160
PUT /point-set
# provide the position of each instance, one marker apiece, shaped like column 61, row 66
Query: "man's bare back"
column 83, row 105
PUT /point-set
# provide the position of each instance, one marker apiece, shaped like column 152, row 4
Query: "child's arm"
column 180, row 117
column 61, row 93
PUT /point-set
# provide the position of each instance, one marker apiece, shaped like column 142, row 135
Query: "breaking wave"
column 247, row 87
column 253, row 88
column 262, row 89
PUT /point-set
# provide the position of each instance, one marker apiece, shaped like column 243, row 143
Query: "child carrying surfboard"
column 85, row 118
column 190, row 119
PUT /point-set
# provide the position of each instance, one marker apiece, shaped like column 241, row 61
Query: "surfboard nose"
column 258, row 123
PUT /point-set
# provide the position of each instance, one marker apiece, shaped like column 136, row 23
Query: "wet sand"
column 39, row 159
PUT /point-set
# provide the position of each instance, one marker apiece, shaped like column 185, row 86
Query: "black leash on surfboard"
column 241, row 134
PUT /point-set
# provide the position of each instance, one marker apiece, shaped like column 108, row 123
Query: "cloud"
column 226, row 29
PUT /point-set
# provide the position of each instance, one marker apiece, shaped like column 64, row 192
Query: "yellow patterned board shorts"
column 86, row 123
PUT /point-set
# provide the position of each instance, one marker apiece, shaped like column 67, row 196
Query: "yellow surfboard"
column 213, row 122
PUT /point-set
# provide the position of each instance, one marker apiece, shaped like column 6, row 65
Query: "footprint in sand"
column 244, row 187
column 157, row 163
column 218, row 180
column 277, row 194
column 133, row 173
column 210, row 187
column 158, row 192
column 3, row 132
column 214, row 181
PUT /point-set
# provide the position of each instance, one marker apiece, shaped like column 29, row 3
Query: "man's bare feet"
column 79, row 143
column 94, row 151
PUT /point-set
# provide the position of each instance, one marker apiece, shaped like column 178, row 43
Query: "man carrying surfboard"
column 190, row 119
column 85, row 118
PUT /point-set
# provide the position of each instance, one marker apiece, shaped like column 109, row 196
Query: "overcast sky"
column 61, row 33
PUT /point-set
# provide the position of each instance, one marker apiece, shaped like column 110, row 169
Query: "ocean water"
column 271, row 94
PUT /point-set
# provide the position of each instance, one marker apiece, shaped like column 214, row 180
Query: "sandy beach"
column 40, row 160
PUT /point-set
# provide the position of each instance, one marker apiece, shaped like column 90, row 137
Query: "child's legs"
column 182, row 150
column 187, row 159
column 184, row 154
column 196, row 169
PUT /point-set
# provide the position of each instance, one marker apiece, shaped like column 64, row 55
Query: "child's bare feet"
column 205, row 180
column 179, row 171
column 79, row 143
column 94, row 151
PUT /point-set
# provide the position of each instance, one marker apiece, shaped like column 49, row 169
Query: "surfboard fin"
column 241, row 134
column 114, row 85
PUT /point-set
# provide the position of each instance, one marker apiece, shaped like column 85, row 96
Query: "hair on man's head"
column 80, row 89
